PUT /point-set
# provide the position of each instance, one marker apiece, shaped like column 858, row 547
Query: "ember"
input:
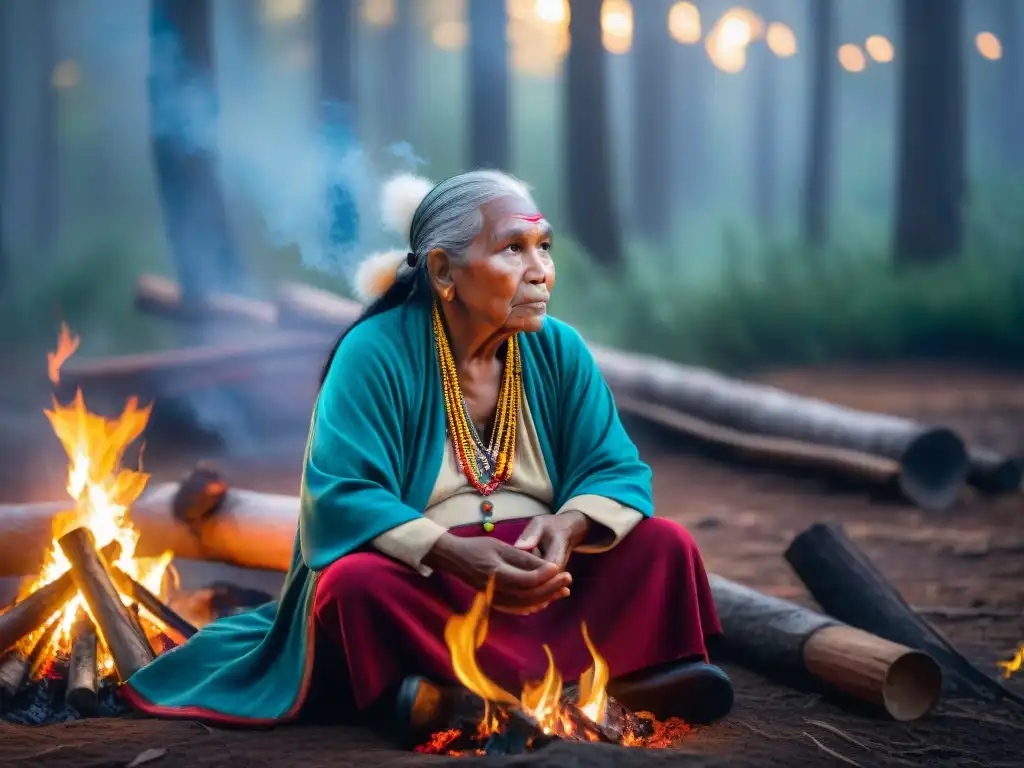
column 78, row 608
column 1011, row 667
column 493, row 721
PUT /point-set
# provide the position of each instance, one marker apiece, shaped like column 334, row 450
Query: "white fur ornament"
column 399, row 198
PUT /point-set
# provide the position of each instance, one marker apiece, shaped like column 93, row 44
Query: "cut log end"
column 913, row 686
column 933, row 469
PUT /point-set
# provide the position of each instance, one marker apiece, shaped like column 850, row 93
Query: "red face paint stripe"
column 534, row 218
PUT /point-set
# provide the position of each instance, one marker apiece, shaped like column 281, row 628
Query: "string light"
column 852, row 58
column 617, row 25
column 450, row 35
column 989, row 46
column 379, row 13
column 279, row 11
column 684, row 23
column 879, row 48
column 66, row 75
column 552, row 11
column 781, row 40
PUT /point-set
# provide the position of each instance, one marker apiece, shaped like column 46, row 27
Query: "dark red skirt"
column 645, row 602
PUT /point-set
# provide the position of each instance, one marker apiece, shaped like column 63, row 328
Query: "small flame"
column 67, row 344
column 102, row 490
column 593, row 699
column 1011, row 667
column 541, row 700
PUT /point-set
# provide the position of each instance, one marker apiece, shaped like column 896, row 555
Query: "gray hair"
column 449, row 217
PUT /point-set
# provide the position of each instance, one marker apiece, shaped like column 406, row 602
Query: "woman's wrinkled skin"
column 502, row 289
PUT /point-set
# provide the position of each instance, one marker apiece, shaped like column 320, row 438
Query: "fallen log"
column 160, row 296
column 83, row 667
column 253, row 530
column 121, row 631
column 931, row 462
column 992, row 472
column 787, row 640
column 847, row 585
column 28, row 614
column 873, row 471
column 305, row 307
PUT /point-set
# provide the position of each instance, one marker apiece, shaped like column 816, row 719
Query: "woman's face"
column 508, row 276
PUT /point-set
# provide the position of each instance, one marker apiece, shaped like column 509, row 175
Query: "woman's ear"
column 439, row 268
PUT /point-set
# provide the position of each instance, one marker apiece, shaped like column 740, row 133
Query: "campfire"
column 93, row 615
column 494, row 721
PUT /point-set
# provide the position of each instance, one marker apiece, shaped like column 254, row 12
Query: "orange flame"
column 67, row 345
column 103, row 491
column 541, row 700
column 1011, row 667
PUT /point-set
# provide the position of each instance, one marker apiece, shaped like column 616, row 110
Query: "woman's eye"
column 515, row 247
column 546, row 246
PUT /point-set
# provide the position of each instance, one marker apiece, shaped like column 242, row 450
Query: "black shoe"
column 694, row 691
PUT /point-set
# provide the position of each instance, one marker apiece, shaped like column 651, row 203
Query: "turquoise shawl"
column 374, row 451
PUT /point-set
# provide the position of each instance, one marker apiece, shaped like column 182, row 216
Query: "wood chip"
column 146, row 757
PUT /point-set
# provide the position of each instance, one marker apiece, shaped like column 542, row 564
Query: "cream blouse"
column 527, row 493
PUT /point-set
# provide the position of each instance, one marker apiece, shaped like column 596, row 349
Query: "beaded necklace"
column 486, row 467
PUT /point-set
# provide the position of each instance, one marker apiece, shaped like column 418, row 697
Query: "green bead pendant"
column 488, row 526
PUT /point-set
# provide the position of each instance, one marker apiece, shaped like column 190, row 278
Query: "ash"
column 41, row 702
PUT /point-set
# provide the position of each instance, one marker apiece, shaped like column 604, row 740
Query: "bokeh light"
column 880, row 49
column 781, row 40
column 684, row 23
column 617, row 25
column 379, row 13
column 450, row 35
column 552, row 11
column 989, row 46
column 851, row 58
column 278, row 11
column 66, row 74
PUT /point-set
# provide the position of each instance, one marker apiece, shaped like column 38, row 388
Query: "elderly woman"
column 461, row 435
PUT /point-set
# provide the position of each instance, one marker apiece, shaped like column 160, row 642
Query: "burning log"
column 18, row 667
column 83, row 668
column 160, row 296
column 845, row 583
column 993, row 473
column 783, row 638
column 121, row 631
column 933, row 461
column 174, row 625
column 28, row 614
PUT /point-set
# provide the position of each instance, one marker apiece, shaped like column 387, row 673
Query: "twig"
column 830, row 751
column 838, row 732
column 34, row 755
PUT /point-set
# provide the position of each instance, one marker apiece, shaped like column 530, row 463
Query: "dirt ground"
column 963, row 569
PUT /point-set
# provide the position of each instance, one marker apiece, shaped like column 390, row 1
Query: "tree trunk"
column 336, row 25
column 1011, row 88
column 765, row 139
column 47, row 206
column 818, row 187
column 489, row 140
column 692, row 73
column 396, row 73
column 931, row 181
column 653, row 129
column 183, row 106
column 592, row 215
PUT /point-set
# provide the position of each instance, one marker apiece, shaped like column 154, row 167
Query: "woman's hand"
column 523, row 582
column 554, row 537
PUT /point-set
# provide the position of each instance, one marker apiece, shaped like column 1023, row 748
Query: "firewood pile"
column 273, row 374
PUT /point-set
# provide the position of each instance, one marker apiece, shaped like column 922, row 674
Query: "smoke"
column 297, row 163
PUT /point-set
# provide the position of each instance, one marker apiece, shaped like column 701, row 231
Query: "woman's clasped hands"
column 528, row 575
